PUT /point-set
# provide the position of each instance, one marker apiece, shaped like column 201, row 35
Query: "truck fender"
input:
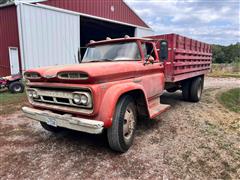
column 111, row 98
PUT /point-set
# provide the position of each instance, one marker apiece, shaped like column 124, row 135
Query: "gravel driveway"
column 189, row 141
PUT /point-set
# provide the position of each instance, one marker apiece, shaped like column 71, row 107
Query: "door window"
column 148, row 51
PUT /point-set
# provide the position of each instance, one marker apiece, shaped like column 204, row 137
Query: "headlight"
column 77, row 98
column 32, row 94
column 35, row 95
column 82, row 98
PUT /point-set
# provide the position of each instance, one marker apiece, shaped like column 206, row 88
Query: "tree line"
column 226, row 54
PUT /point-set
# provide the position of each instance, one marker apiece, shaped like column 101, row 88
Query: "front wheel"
column 50, row 128
column 172, row 90
column 121, row 133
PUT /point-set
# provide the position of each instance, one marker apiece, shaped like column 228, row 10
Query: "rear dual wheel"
column 196, row 89
column 121, row 133
column 186, row 90
column 192, row 89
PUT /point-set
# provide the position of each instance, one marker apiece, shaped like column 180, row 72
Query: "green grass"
column 6, row 97
column 225, row 70
column 231, row 99
column 10, row 103
column 224, row 75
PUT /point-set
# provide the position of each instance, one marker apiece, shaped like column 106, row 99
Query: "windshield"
column 113, row 52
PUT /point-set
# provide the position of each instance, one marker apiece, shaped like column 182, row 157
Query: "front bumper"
column 66, row 121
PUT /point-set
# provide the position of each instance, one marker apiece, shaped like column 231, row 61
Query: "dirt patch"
column 189, row 141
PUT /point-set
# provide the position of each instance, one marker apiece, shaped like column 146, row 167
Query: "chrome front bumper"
column 66, row 121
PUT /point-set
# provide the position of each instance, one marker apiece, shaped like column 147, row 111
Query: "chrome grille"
column 58, row 97
column 56, row 100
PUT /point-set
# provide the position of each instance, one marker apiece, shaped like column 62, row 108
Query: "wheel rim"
column 128, row 123
column 17, row 88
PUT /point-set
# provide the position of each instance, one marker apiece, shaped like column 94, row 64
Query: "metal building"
column 38, row 33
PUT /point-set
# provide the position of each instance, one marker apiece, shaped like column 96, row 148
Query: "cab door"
column 153, row 71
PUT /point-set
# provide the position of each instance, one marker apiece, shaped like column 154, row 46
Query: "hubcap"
column 128, row 123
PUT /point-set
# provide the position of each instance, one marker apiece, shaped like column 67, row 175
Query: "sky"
column 211, row 21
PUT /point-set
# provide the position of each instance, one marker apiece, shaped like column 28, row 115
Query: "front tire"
column 172, row 90
column 121, row 133
column 50, row 128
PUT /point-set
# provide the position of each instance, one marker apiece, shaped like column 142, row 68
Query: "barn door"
column 14, row 60
column 48, row 36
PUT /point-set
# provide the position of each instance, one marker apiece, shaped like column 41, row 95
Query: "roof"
column 116, row 10
column 7, row 4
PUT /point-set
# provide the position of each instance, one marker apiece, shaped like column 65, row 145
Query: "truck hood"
column 97, row 72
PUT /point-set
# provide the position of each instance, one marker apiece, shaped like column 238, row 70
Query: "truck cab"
column 117, row 82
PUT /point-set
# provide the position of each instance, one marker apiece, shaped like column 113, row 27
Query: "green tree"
column 218, row 54
column 226, row 54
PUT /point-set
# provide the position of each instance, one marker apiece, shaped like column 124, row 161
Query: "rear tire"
column 196, row 89
column 186, row 90
column 50, row 128
column 121, row 133
column 16, row 87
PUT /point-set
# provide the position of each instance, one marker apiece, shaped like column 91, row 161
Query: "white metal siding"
column 142, row 32
column 47, row 37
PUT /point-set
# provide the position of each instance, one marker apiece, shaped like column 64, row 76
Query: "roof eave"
column 126, row 3
column 7, row 4
column 16, row 2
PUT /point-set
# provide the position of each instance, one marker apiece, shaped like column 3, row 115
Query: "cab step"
column 156, row 108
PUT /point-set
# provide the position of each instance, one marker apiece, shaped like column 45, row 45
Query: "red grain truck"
column 117, row 82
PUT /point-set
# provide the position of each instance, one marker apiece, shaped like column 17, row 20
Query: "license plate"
column 51, row 121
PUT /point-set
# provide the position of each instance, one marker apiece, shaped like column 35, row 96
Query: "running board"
column 156, row 108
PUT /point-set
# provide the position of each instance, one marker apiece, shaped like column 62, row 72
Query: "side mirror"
column 163, row 51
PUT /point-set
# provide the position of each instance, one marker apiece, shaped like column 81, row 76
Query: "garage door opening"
column 92, row 29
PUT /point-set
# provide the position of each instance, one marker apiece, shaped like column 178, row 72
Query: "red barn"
column 50, row 32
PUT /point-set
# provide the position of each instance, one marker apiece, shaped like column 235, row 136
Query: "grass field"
column 231, row 99
column 9, row 102
column 225, row 70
